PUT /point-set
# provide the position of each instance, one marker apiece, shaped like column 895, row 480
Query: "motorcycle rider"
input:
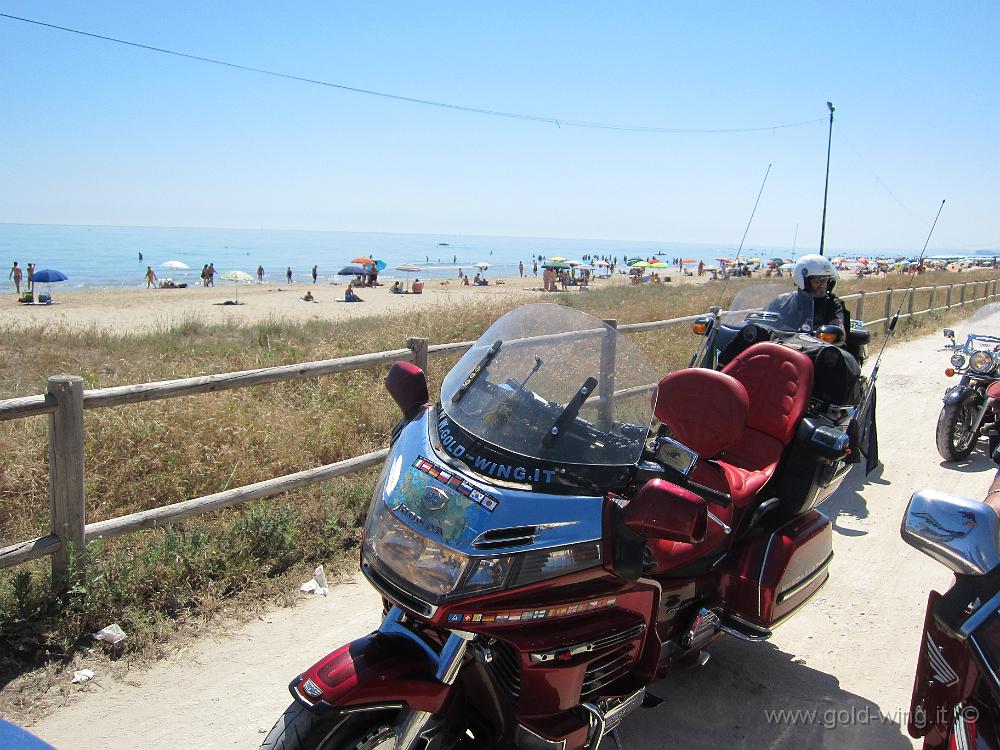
column 813, row 304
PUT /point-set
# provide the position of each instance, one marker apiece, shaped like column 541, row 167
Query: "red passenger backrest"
column 704, row 409
column 778, row 380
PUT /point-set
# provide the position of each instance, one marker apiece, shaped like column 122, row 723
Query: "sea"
column 108, row 257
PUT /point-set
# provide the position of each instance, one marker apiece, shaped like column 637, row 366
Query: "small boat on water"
column 442, row 244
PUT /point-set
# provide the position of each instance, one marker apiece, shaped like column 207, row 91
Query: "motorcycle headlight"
column 958, row 361
column 981, row 362
column 395, row 546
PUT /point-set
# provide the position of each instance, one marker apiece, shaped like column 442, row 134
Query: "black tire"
column 955, row 436
column 301, row 729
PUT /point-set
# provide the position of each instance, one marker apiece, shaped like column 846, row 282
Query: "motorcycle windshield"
column 778, row 305
column 552, row 383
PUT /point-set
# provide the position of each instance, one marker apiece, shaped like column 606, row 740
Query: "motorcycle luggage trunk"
column 780, row 570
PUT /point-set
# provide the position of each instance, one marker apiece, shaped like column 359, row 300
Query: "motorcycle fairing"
column 441, row 501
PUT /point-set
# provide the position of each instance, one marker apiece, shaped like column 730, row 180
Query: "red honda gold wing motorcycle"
column 543, row 556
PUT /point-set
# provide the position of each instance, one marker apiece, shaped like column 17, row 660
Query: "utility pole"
column 826, row 187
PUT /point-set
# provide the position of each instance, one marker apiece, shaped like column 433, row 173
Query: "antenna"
column 826, row 187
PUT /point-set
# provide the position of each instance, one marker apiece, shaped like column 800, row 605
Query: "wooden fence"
column 66, row 401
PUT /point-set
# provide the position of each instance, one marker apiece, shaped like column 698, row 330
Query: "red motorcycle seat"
column 778, row 380
column 704, row 409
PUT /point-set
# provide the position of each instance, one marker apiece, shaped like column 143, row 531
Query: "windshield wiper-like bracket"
column 477, row 371
column 569, row 413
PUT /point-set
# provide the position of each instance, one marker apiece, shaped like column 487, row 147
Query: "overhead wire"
column 559, row 122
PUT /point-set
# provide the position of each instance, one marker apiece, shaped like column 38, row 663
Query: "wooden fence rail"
column 66, row 401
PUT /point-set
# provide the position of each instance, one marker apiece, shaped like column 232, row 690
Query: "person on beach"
column 150, row 277
column 15, row 273
column 260, row 274
column 418, row 286
column 140, row 257
column 397, row 288
column 211, row 274
column 520, row 268
column 308, row 297
column 314, row 274
column 31, row 278
column 288, row 274
column 204, row 275
column 534, row 267
column 349, row 295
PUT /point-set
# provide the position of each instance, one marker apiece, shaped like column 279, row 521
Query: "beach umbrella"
column 236, row 277
column 364, row 261
column 482, row 265
column 558, row 259
column 688, row 260
column 602, row 263
column 379, row 264
column 863, row 261
column 634, row 259
column 408, row 268
column 641, row 264
column 574, row 263
column 750, row 260
column 658, row 265
column 557, row 264
column 48, row 276
column 352, row 270
column 787, row 266
column 175, row 265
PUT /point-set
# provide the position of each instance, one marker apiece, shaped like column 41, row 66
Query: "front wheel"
column 956, row 435
column 301, row 729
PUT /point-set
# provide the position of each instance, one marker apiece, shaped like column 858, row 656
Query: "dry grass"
column 148, row 455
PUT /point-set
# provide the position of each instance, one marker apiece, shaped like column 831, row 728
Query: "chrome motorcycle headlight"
column 981, row 362
column 958, row 361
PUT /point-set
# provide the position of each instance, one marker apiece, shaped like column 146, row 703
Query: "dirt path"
column 849, row 656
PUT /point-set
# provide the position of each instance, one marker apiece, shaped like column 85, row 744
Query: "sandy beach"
column 144, row 310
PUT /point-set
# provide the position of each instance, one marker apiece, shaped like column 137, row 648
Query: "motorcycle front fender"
column 377, row 670
column 959, row 394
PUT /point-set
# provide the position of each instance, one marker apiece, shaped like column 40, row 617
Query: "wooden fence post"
column 66, row 476
column 909, row 302
column 930, row 304
column 948, row 302
column 419, row 348
column 961, row 300
column 888, row 305
column 609, row 344
column 859, row 310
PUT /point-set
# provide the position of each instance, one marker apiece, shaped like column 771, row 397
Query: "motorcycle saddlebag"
column 811, row 465
column 836, row 373
column 779, row 570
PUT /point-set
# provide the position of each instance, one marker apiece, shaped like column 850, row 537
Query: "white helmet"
column 813, row 265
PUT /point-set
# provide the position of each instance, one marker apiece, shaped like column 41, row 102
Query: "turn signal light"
column 949, row 371
column 700, row 328
column 830, row 338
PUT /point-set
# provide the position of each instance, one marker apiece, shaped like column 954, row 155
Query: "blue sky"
column 98, row 133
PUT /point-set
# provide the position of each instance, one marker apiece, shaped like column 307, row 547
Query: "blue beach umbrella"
column 47, row 276
column 352, row 270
